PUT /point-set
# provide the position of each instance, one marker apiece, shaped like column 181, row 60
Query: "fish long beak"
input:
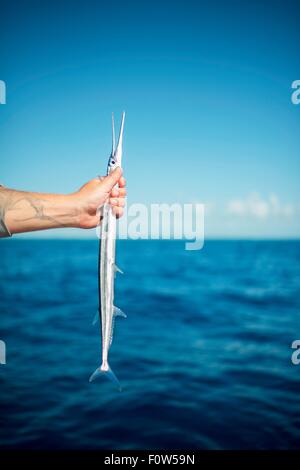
column 113, row 146
column 118, row 151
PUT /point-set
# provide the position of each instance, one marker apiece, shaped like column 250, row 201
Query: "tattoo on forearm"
column 6, row 201
column 11, row 200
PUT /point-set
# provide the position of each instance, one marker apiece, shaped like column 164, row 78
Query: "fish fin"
column 119, row 313
column 108, row 373
column 117, row 269
column 112, row 330
column 96, row 318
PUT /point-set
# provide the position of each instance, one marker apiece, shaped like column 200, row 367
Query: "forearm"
column 26, row 211
column 23, row 211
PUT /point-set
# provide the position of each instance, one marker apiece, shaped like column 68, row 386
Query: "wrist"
column 70, row 210
column 82, row 213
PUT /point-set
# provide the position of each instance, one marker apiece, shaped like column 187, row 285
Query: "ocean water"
column 204, row 356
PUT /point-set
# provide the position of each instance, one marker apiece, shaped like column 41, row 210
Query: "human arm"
column 24, row 211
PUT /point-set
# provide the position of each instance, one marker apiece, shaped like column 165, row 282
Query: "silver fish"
column 107, row 267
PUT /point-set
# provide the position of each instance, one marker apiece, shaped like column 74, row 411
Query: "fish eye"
column 113, row 162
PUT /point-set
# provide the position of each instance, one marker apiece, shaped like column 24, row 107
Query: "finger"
column 115, row 192
column 112, row 179
column 118, row 211
column 122, row 182
column 117, row 202
column 122, row 192
column 121, row 202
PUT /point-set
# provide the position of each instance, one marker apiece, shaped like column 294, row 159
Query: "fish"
column 107, row 268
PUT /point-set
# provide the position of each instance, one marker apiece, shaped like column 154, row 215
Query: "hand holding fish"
column 24, row 211
column 96, row 192
column 101, row 199
column 107, row 267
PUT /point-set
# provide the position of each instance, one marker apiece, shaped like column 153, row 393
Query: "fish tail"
column 107, row 371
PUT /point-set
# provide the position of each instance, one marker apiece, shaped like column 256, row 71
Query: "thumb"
column 111, row 180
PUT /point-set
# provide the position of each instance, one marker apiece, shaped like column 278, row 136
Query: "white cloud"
column 256, row 206
column 236, row 207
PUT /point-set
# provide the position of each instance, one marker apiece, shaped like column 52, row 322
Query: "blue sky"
column 207, row 91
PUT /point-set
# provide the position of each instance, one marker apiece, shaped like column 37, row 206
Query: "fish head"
column 115, row 158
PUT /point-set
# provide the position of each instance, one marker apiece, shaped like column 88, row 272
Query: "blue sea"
column 204, row 356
